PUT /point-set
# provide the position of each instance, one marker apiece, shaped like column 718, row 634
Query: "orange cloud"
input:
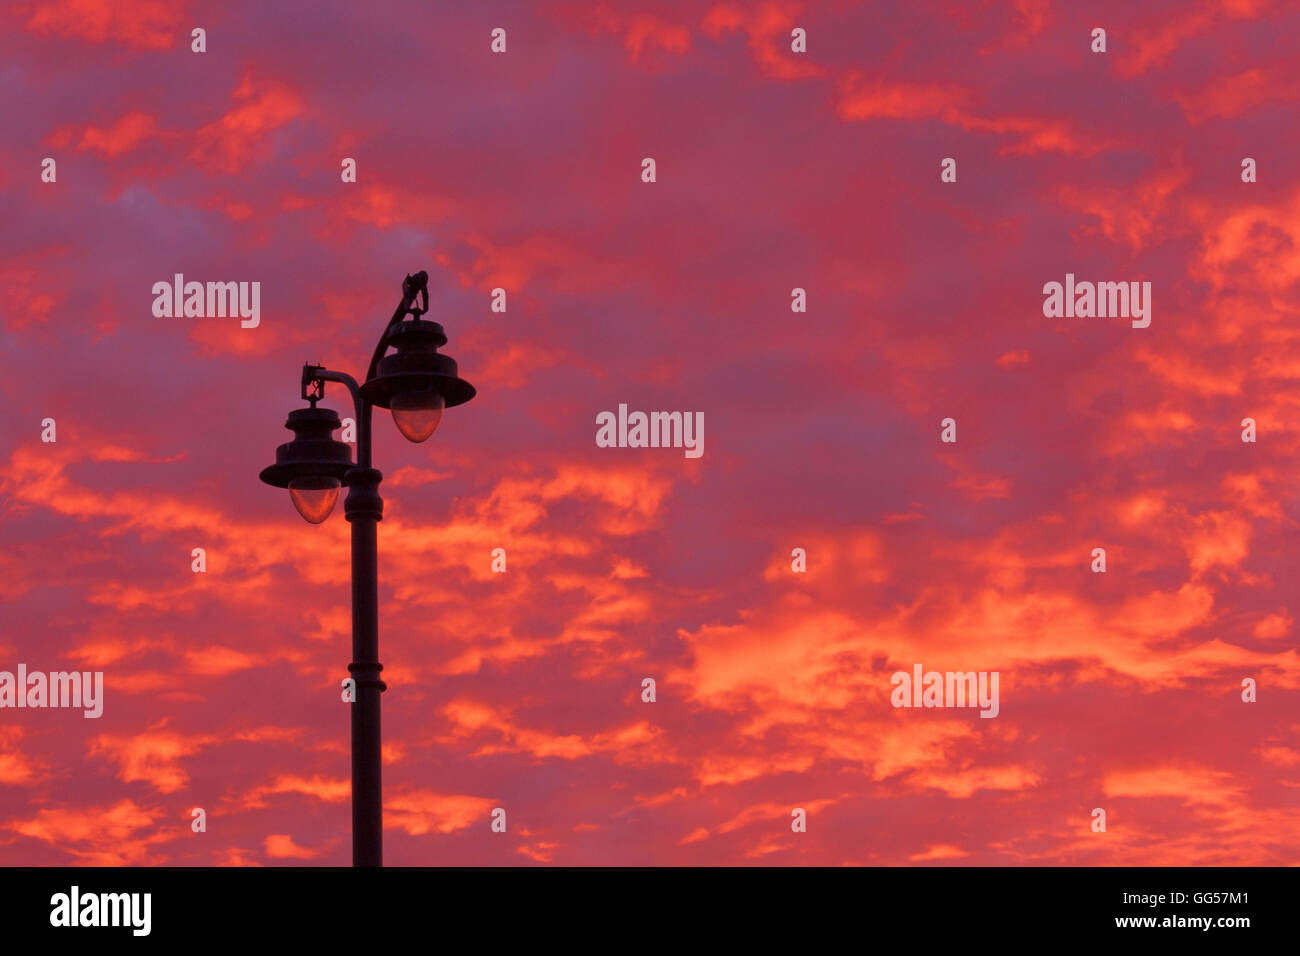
column 280, row 846
column 145, row 25
column 423, row 811
column 118, row 835
column 240, row 137
column 124, row 135
column 153, row 756
column 768, row 27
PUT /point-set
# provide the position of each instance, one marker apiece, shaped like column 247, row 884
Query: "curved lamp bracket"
column 413, row 287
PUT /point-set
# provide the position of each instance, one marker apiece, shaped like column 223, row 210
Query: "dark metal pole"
column 364, row 510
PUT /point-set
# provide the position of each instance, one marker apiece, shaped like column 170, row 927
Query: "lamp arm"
column 412, row 286
column 361, row 407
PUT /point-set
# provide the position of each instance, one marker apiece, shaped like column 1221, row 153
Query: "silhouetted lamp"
column 416, row 382
column 311, row 466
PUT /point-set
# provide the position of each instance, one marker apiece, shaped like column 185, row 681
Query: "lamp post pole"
column 364, row 510
column 416, row 383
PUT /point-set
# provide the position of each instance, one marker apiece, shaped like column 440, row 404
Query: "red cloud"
column 140, row 25
column 241, row 136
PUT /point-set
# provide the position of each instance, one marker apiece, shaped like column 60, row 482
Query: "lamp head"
column 416, row 382
column 313, row 465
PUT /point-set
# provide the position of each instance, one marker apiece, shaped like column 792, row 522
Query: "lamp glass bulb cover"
column 417, row 414
column 314, row 496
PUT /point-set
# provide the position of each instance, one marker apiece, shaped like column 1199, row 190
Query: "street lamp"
column 416, row 383
column 313, row 465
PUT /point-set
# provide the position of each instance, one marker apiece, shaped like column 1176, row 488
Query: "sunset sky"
column 775, row 170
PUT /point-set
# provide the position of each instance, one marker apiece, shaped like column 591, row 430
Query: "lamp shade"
column 313, row 462
column 416, row 381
